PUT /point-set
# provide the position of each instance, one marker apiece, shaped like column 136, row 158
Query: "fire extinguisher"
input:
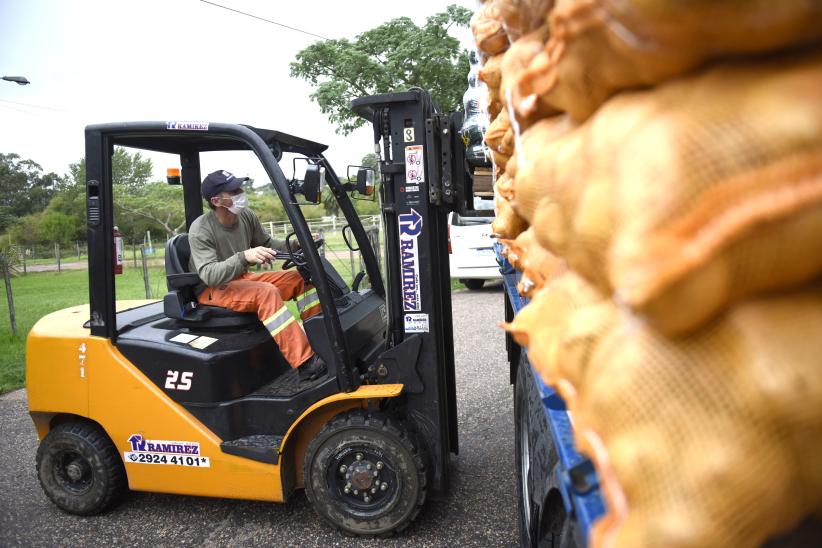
column 118, row 251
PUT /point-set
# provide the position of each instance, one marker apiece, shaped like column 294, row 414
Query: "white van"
column 471, row 249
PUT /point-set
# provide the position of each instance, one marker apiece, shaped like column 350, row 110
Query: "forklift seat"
column 180, row 303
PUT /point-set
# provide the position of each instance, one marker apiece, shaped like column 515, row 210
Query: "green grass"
column 38, row 294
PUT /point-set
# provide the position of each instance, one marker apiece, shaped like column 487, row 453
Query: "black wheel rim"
column 363, row 480
column 525, row 466
column 72, row 472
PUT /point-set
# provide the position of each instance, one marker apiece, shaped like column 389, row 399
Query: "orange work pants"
column 264, row 294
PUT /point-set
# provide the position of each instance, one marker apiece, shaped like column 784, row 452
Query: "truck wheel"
column 364, row 474
column 80, row 469
column 535, row 460
column 473, row 284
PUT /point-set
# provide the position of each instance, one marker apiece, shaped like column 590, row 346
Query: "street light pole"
column 21, row 80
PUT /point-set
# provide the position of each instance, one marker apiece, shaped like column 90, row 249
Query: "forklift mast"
column 423, row 178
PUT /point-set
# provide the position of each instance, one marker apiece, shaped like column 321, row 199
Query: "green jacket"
column 217, row 251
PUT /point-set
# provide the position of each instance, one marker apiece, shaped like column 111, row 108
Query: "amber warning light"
column 173, row 175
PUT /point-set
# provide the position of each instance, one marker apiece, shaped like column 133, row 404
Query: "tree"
column 330, row 204
column 394, row 56
column 28, row 230
column 139, row 205
column 23, row 188
column 127, row 170
column 42, row 190
column 150, row 206
column 77, row 174
column 266, row 204
column 58, row 227
column 371, row 160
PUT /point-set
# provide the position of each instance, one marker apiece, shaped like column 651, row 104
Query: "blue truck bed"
column 574, row 473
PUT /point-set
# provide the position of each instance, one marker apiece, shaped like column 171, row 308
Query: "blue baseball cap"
column 220, row 181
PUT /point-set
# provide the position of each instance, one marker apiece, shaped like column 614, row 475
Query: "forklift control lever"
column 355, row 285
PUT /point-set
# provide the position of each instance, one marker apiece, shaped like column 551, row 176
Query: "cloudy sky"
column 92, row 61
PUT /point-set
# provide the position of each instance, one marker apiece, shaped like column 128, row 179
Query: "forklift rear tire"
column 365, row 474
column 473, row 284
column 80, row 469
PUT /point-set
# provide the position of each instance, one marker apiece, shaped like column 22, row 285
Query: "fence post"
column 4, row 264
column 145, row 271
column 134, row 253
column 374, row 240
column 57, row 254
column 77, row 243
column 321, row 235
column 24, row 260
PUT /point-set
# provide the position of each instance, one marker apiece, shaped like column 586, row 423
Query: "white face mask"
column 238, row 203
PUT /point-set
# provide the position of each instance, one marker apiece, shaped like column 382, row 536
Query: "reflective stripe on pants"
column 279, row 321
column 265, row 293
column 308, row 303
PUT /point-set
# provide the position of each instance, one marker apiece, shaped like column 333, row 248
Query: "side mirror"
column 313, row 183
column 365, row 181
column 363, row 184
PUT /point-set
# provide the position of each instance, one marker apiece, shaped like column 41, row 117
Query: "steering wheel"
column 297, row 258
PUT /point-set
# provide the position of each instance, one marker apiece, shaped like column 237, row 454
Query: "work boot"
column 313, row 368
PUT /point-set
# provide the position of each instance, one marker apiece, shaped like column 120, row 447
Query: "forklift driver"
column 224, row 243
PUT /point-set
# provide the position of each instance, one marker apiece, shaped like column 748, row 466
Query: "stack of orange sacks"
column 659, row 184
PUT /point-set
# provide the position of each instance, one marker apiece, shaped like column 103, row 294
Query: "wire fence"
column 281, row 229
column 146, row 259
column 148, row 252
column 51, row 252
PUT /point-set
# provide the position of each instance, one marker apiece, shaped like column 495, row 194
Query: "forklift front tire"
column 80, row 469
column 365, row 474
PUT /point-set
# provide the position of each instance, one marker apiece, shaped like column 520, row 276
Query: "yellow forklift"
column 176, row 397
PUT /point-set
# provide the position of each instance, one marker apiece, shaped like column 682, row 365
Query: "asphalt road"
column 480, row 509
